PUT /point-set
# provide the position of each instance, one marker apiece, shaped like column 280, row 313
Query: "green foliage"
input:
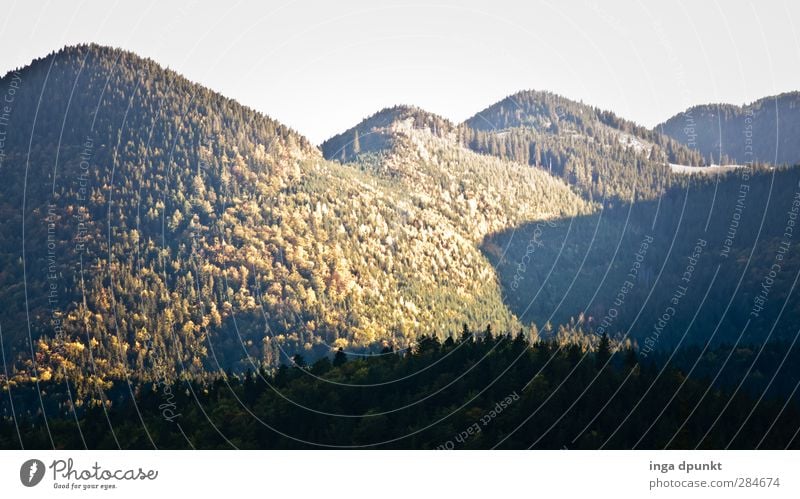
column 172, row 233
column 605, row 156
column 157, row 232
column 519, row 395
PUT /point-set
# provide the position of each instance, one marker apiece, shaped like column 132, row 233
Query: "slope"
column 764, row 131
column 156, row 230
column 605, row 156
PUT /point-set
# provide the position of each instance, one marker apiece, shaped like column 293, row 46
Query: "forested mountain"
column 133, row 203
column 616, row 267
column 375, row 133
column 156, row 233
column 715, row 254
column 764, row 131
column 420, row 154
column 607, row 157
column 156, row 229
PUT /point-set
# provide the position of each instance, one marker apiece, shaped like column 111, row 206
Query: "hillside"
column 606, row 157
column 421, row 154
column 764, row 131
column 716, row 255
column 157, row 230
column 123, row 247
column 374, row 133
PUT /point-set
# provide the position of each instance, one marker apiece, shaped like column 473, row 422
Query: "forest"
column 477, row 390
column 171, row 229
column 165, row 245
column 763, row 131
column 746, row 220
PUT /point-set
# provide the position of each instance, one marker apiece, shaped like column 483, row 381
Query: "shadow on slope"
column 713, row 260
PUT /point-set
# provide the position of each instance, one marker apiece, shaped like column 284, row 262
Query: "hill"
column 374, row 133
column 715, row 256
column 154, row 229
column 606, row 157
column 157, row 230
column 764, row 131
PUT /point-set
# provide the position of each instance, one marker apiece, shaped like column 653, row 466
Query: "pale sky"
column 322, row 66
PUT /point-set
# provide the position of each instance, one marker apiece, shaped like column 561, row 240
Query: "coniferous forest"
column 180, row 271
column 474, row 391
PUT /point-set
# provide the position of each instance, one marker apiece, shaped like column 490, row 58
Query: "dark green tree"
column 339, row 358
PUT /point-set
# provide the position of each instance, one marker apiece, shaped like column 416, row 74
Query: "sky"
column 322, row 66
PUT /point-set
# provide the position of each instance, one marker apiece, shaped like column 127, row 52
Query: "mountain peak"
column 530, row 108
column 128, row 76
column 377, row 132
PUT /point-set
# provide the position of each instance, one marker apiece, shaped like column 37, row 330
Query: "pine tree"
column 603, row 351
column 487, row 335
column 298, row 360
column 340, row 358
column 356, row 143
column 465, row 334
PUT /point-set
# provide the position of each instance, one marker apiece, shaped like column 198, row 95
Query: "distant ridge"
column 764, row 131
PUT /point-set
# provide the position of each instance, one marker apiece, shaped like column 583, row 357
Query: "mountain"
column 616, row 270
column 163, row 243
column 764, row 131
column 583, row 259
column 713, row 255
column 375, row 132
column 422, row 155
column 133, row 202
column 154, row 229
column 606, row 157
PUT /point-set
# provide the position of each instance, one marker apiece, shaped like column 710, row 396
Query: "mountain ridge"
column 170, row 231
column 725, row 132
column 182, row 234
column 120, row 53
